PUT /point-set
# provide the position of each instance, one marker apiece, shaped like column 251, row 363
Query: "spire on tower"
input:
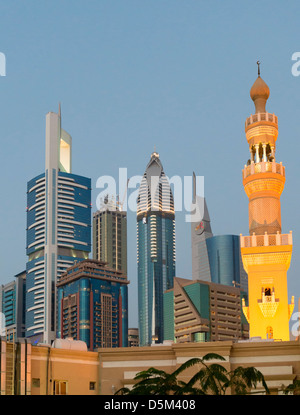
column 259, row 92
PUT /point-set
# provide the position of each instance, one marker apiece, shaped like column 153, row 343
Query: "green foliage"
column 210, row 379
column 293, row 388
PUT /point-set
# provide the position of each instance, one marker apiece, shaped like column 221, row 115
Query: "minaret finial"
column 258, row 68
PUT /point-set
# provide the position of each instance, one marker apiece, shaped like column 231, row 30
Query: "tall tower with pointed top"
column 155, row 249
column 58, row 230
column 266, row 253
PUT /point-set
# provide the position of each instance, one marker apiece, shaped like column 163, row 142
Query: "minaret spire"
column 266, row 252
column 258, row 68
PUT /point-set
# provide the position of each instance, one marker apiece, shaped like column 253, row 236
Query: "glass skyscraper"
column 226, row 266
column 155, row 249
column 12, row 310
column 58, row 230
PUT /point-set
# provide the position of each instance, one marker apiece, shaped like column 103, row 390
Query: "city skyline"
column 130, row 78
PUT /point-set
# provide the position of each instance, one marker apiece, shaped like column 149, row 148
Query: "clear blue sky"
column 131, row 75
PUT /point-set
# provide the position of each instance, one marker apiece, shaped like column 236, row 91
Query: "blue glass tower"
column 58, row 229
column 155, row 249
column 12, row 319
column 224, row 259
column 93, row 305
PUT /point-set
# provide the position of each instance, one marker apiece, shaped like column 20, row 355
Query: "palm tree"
column 211, row 379
column 153, row 382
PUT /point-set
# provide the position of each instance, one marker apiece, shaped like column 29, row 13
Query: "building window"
column 269, row 332
column 268, row 291
column 35, row 382
column 60, row 387
column 92, row 386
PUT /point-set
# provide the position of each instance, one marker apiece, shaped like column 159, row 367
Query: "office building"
column 266, row 252
column 155, row 249
column 200, row 311
column 110, row 235
column 133, row 337
column 93, row 305
column 12, row 307
column 200, row 231
column 58, row 229
column 225, row 261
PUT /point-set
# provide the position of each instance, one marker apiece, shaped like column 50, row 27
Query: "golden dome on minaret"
column 259, row 93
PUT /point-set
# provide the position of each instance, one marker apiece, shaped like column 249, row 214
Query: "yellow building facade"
column 266, row 252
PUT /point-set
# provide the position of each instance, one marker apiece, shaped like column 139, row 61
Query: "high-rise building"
column 200, row 231
column 225, row 262
column 199, row 311
column 215, row 258
column 155, row 249
column 93, row 305
column 110, row 235
column 12, row 307
column 266, row 253
column 58, row 229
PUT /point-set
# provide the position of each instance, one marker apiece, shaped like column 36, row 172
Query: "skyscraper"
column 225, row 262
column 110, row 235
column 266, row 253
column 12, row 296
column 93, row 305
column 58, row 229
column 155, row 249
column 200, row 231
column 215, row 258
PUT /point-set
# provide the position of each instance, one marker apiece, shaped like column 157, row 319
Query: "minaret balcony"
column 278, row 239
column 263, row 167
column 261, row 117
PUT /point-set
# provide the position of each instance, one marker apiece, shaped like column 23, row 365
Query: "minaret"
column 266, row 253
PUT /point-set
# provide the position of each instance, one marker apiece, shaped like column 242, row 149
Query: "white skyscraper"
column 58, row 229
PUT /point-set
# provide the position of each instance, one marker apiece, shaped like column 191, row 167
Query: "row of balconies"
column 266, row 240
column 264, row 167
column 261, row 116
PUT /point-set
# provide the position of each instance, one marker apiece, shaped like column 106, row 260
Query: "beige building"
column 133, row 337
column 197, row 311
column 69, row 369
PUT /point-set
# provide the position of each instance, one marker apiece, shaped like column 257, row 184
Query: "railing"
column 261, row 116
column 266, row 240
column 264, row 167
